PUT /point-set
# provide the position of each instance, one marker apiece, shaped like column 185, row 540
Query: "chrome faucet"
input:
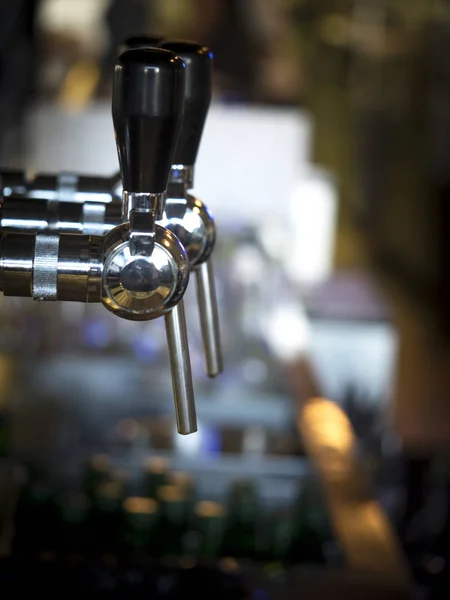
column 139, row 270
column 181, row 213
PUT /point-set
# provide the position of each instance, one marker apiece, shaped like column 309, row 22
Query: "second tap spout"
column 185, row 215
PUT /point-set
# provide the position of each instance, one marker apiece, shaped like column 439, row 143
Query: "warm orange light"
column 367, row 536
column 362, row 528
column 156, row 464
column 79, row 85
column 180, row 478
column 138, row 505
column 328, row 436
column 100, row 462
column 128, row 429
column 327, row 425
column 170, row 493
column 209, row 509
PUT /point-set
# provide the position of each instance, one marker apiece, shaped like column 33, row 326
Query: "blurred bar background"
column 325, row 160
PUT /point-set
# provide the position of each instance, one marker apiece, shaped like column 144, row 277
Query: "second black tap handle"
column 197, row 97
column 147, row 107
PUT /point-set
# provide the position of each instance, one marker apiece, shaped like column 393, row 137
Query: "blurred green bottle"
column 73, row 519
column 274, row 537
column 185, row 481
column 242, row 521
column 106, row 516
column 156, row 474
column 173, row 527
column 209, row 523
column 140, row 526
column 98, row 471
column 311, row 528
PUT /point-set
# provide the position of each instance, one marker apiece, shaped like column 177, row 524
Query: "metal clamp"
column 45, row 267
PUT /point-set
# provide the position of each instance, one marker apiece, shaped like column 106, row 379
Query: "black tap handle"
column 141, row 41
column 147, row 107
column 197, row 97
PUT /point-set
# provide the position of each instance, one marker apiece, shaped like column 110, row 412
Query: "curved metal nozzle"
column 180, row 365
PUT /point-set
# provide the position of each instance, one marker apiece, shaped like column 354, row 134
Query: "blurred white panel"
column 248, row 163
column 360, row 354
column 288, row 330
column 249, row 160
column 58, row 139
column 301, row 237
column 313, row 212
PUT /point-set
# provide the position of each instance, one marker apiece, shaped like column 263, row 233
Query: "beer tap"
column 146, row 272
column 184, row 214
column 139, row 270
